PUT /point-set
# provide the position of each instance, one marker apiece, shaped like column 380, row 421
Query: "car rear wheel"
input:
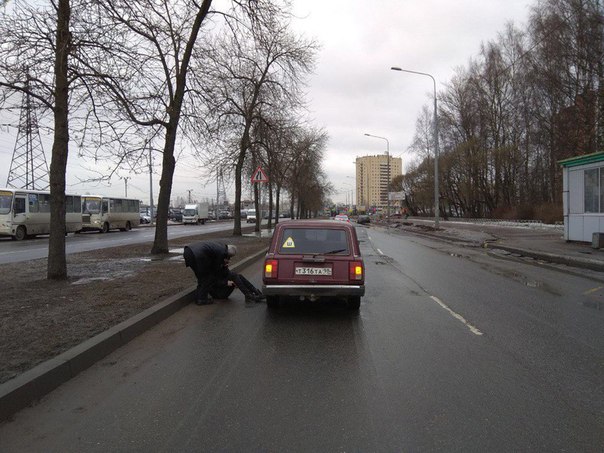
column 354, row 303
column 272, row 302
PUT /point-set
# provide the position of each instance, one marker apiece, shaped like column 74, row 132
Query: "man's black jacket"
column 206, row 257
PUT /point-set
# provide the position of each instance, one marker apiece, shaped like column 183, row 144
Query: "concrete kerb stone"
column 31, row 386
column 584, row 263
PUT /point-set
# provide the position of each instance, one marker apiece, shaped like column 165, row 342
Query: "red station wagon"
column 311, row 259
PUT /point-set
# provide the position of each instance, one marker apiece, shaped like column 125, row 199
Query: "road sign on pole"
column 259, row 176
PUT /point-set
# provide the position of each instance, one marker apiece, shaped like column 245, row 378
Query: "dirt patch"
column 41, row 319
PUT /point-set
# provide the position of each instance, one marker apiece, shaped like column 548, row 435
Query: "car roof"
column 314, row 224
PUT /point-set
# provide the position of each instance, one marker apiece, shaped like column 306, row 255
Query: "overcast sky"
column 353, row 90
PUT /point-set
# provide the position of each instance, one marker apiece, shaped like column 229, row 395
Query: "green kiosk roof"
column 582, row 160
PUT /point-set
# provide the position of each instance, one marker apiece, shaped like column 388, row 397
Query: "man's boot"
column 251, row 298
column 204, row 302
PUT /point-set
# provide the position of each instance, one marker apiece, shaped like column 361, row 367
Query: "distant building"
column 583, row 196
column 372, row 179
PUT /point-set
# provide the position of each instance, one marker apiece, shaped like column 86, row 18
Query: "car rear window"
column 313, row 241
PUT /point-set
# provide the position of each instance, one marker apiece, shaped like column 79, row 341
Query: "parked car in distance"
column 251, row 216
column 145, row 218
column 176, row 215
column 312, row 259
column 363, row 219
column 342, row 218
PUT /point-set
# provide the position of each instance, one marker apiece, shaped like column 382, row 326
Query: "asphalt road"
column 453, row 350
column 35, row 248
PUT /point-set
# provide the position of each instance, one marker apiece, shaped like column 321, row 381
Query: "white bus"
column 102, row 213
column 25, row 212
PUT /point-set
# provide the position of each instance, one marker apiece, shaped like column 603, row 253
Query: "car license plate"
column 313, row 271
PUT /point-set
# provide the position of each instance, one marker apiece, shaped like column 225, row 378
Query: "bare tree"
column 35, row 60
column 255, row 68
column 529, row 99
column 306, row 181
column 147, row 53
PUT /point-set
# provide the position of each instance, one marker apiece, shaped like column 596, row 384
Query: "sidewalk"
column 539, row 241
column 32, row 385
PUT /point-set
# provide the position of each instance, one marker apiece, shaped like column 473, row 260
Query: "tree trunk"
column 160, row 243
column 257, row 206
column 277, row 199
column 270, row 206
column 57, row 261
column 238, row 172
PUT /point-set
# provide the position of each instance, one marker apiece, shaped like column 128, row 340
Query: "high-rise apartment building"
column 372, row 179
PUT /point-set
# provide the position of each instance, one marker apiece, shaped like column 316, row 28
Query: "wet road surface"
column 452, row 350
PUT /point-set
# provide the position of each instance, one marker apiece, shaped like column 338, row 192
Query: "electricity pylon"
column 28, row 167
column 220, row 189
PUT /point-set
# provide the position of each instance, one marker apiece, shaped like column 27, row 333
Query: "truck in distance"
column 195, row 213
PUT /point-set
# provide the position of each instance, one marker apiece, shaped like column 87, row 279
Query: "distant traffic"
column 26, row 213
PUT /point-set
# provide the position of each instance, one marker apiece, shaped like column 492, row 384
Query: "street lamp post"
column 436, row 191
column 352, row 191
column 388, row 172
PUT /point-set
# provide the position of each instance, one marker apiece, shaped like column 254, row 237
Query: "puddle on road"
column 84, row 281
column 596, row 305
column 264, row 233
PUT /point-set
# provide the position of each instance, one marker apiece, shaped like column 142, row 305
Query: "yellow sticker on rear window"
column 289, row 244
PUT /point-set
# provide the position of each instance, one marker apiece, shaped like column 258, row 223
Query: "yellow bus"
column 25, row 213
column 103, row 213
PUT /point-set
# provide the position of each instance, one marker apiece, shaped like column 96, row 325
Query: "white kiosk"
column 583, row 198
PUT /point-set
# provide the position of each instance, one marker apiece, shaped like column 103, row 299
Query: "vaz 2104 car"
column 312, row 259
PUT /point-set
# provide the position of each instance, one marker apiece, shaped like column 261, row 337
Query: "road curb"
column 31, row 386
column 584, row 263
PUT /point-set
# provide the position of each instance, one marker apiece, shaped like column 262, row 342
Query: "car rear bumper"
column 313, row 290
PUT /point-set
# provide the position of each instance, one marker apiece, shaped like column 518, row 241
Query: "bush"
column 549, row 213
column 546, row 212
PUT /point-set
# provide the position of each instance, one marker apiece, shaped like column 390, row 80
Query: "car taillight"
column 270, row 268
column 356, row 270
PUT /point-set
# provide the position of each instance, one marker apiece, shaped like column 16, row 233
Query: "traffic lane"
column 36, row 248
column 401, row 375
column 540, row 318
column 547, row 318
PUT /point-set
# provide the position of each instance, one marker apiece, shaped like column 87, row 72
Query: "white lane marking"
column 380, row 252
column 457, row 316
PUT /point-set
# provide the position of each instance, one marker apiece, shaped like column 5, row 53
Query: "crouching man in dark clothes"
column 210, row 263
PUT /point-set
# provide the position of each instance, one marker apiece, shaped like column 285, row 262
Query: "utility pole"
column 126, row 186
column 190, row 190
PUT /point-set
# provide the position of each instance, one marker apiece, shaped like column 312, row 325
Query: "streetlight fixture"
column 436, row 191
column 388, row 187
